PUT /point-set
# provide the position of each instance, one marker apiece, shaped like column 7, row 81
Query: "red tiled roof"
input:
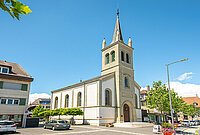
column 191, row 100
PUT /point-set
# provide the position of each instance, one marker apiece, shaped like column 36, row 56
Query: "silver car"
column 57, row 124
column 7, row 126
column 185, row 123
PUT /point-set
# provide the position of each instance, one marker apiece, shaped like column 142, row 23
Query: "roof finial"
column 118, row 12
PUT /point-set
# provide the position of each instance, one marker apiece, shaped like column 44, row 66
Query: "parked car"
column 57, row 124
column 197, row 122
column 192, row 123
column 7, row 126
column 185, row 123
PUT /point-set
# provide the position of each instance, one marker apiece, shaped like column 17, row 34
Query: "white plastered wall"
column 64, row 93
column 92, row 94
column 108, row 84
column 138, row 111
column 76, row 91
column 56, row 94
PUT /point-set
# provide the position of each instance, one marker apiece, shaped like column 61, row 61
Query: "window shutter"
column 22, row 101
column 24, row 87
column 1, row 85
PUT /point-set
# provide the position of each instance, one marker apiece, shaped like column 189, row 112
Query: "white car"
column 7, row 126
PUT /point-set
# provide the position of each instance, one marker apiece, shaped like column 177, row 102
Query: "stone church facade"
column 111, row 97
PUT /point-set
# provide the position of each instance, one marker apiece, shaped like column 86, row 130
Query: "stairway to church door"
column 126, row 113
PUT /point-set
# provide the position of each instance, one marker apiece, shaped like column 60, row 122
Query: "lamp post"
column 169, row 89
column 195, row 104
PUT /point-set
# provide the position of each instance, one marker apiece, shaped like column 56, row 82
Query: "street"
column 94, row 130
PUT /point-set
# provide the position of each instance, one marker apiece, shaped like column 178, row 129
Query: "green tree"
column 158, row 97
column 14, row 8
column 73, row 111
column 37, row 110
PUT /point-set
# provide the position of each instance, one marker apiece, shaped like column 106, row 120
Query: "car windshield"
column 6, row 123
column 184, row 121
column 192, row 121
column 61, row 122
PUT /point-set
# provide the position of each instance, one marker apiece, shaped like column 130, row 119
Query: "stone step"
column 133, row 124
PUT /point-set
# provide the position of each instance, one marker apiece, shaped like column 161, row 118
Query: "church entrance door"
column 126, row 113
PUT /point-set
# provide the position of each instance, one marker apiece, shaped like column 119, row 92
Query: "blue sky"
column 59, row 42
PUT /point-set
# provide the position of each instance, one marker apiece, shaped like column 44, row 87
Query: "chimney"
column 148, row 88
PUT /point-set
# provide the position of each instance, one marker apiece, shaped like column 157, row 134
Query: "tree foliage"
column 158, row 97
column 37, row 110
column 14, row 8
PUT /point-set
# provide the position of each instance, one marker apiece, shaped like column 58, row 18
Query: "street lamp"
column 169, row 89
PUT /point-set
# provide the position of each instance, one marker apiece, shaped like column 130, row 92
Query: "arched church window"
column 136, row 101
column 122, row 56
column 127, row 58
column 79, row 99
column 107, row 58
column 108, row 97
column 126, row 82
column 113, row 55
column 56, row 103
column 67, row 101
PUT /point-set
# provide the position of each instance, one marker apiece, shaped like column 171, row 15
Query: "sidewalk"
column 188, row 131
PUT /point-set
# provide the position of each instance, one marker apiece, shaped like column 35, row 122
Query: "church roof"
column 84, row 82
column 117, row 34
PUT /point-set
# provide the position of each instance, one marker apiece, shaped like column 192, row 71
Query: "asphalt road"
column 94, row 130
column 87, row 130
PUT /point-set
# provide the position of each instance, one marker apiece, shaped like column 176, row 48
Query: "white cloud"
column 34, row 96
column 185, row 90
column 185, row 76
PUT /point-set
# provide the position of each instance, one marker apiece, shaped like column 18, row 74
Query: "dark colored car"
column 57, row 124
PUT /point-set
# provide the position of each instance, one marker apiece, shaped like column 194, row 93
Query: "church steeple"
column 117, row 34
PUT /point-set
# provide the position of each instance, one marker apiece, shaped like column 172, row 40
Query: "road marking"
column 197, row 131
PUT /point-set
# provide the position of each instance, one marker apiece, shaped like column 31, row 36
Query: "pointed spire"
column 104, row 43
column 130, row 42
column 117, row 34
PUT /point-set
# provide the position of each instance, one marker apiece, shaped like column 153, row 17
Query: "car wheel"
column 53, row 128
column 45, row 127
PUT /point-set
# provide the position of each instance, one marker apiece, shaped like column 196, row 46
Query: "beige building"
column 44, row 102
column 111, row 97
column 14, row 91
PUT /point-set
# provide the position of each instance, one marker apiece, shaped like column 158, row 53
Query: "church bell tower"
column 118, row 58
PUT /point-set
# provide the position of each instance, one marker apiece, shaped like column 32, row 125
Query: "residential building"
column 44, row 102
column 14, row 91
column 148, row 115
column 111, row 97
column 188, row 101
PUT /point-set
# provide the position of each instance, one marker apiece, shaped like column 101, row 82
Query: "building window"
column 127, row 58
column 126, row 82
column 56, row 103
column 136, row 101
column 79, row 99
column 12, row 86
column 9, row 101
column 3, row 101
column 107, row 58
column 67, row 101
column 122, row 56
column 113, row 55
column 108, row 97
column 4, row 70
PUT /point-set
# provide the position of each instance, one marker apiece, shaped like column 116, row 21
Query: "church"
column 113, row 97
